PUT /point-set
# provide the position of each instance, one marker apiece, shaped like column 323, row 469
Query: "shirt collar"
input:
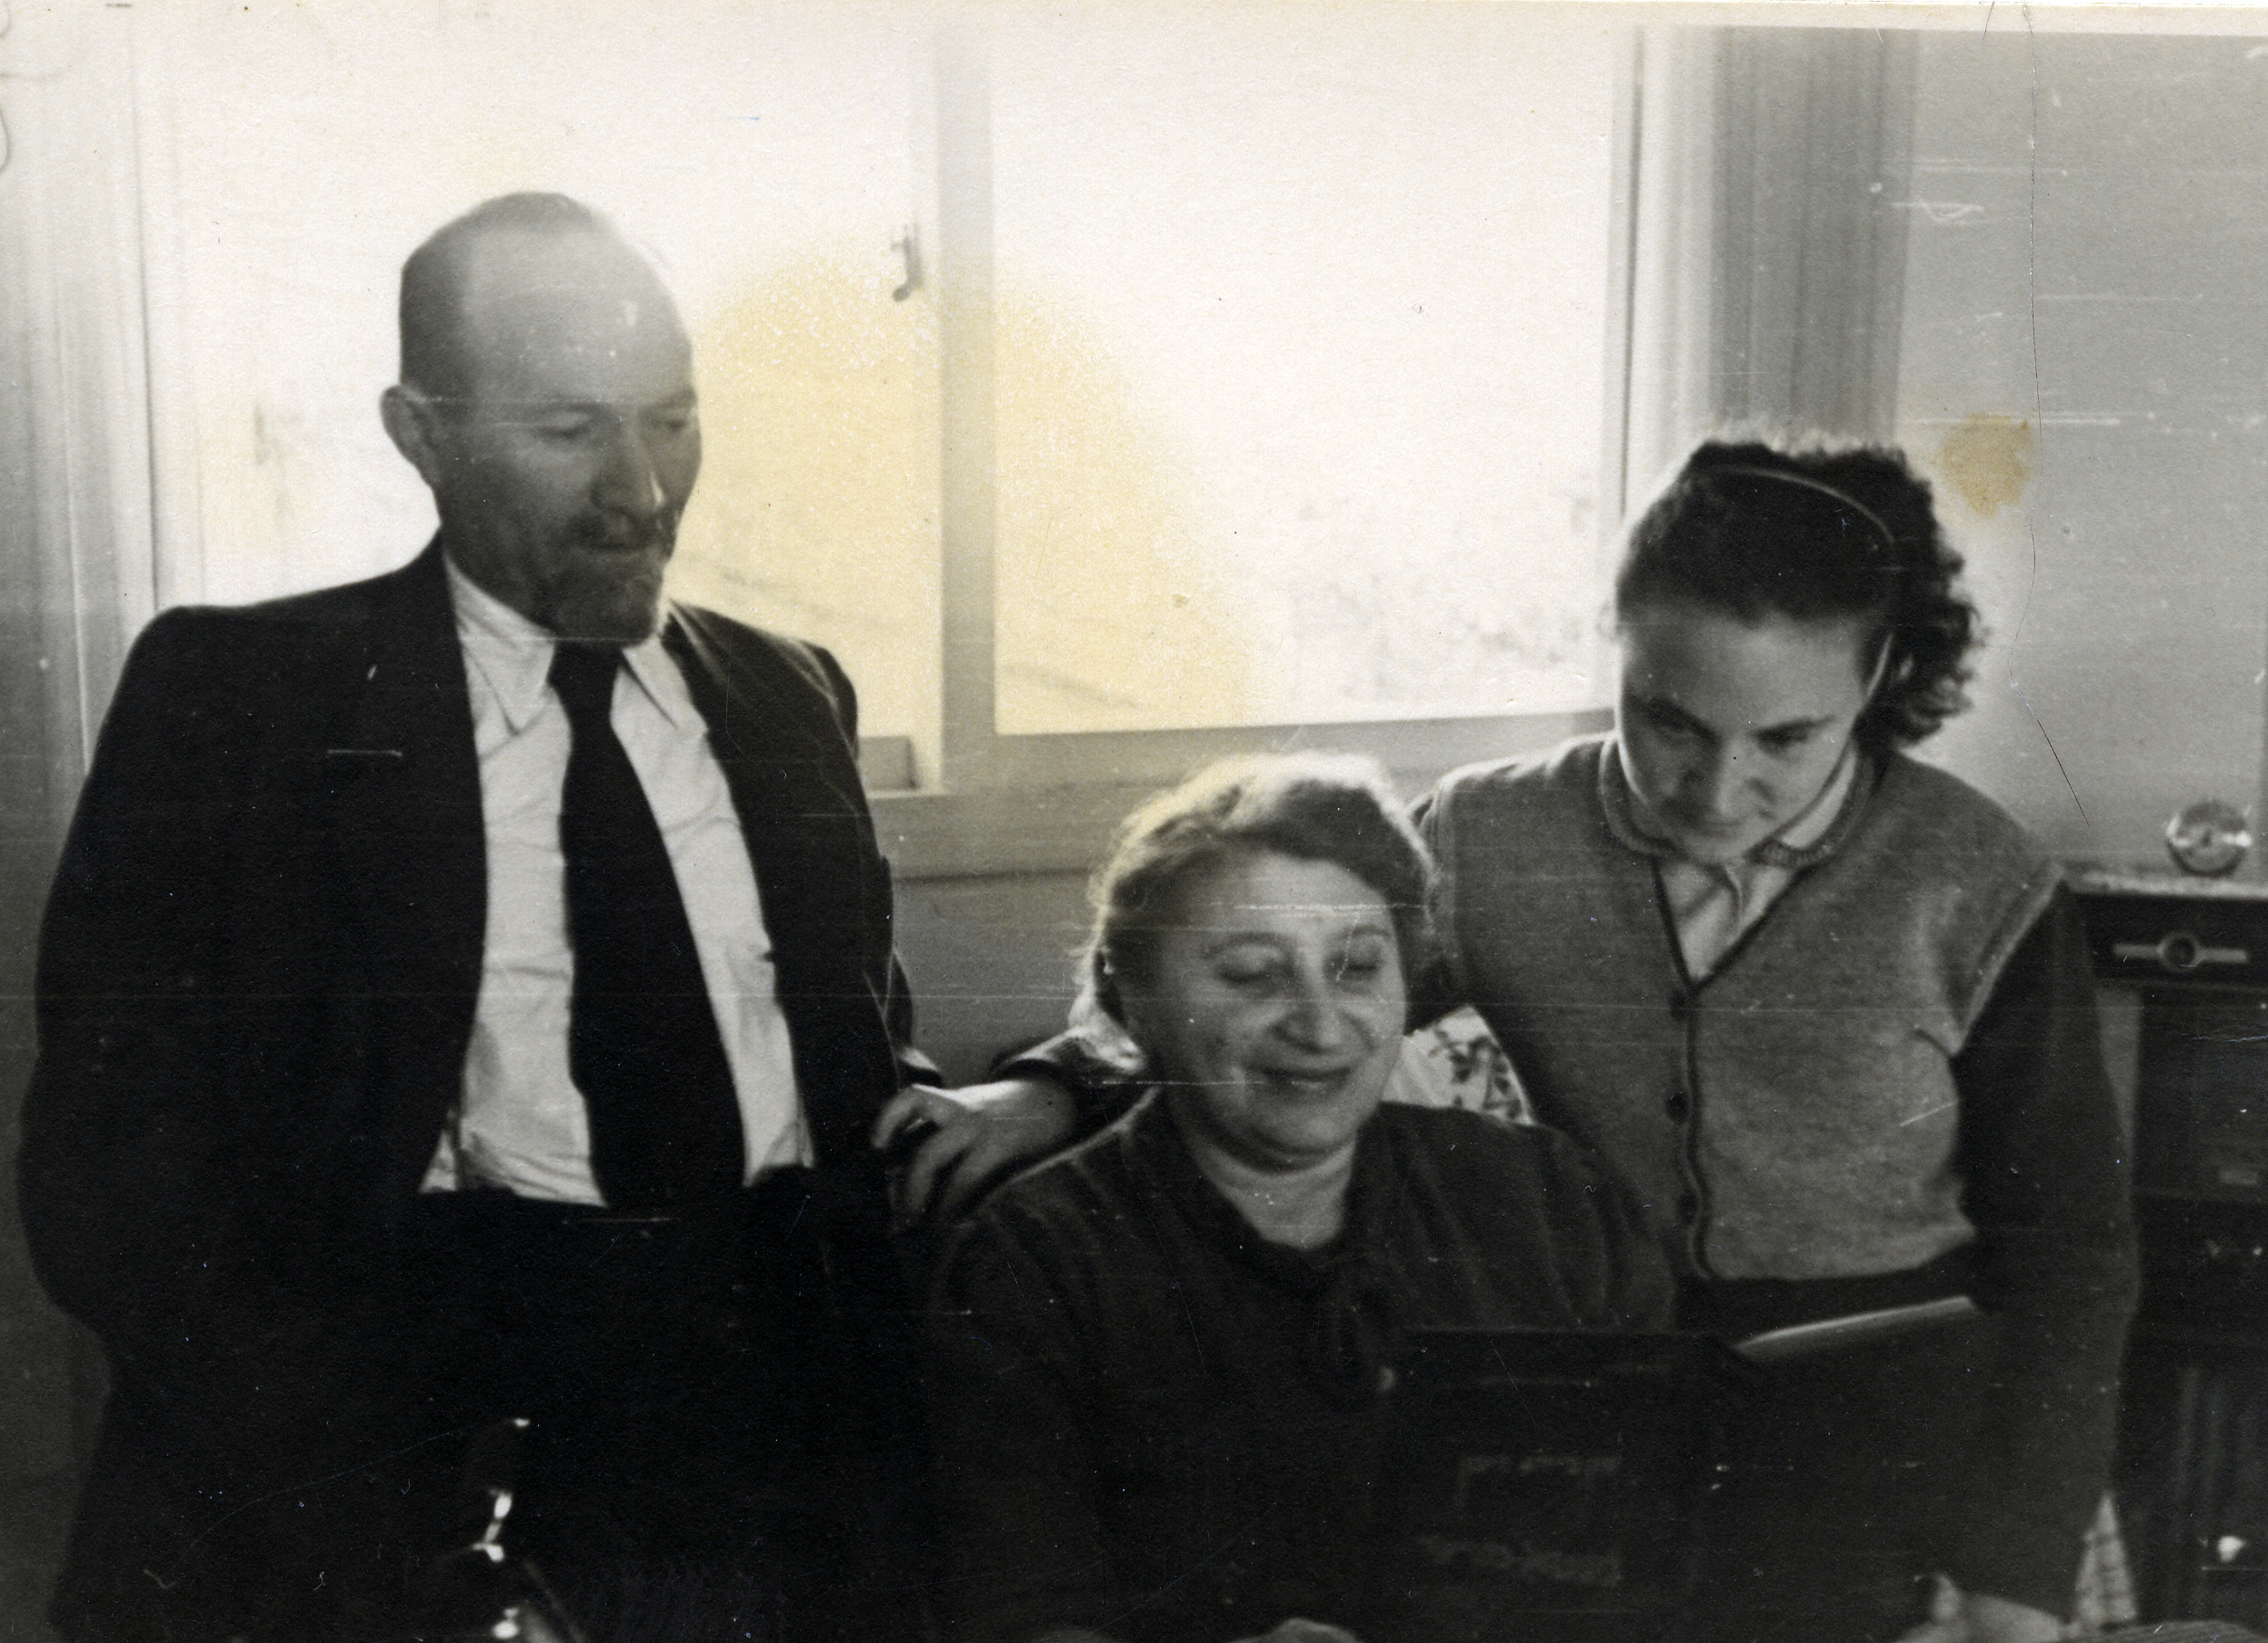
column 513, row 656
column 1815, row 833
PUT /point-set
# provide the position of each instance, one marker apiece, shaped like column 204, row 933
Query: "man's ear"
column 413, row 423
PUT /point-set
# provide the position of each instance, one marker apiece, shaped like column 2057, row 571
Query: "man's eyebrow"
column 494, row 402
column 565, row 405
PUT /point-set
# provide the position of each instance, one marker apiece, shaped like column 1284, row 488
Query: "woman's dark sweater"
column 1154, row 1425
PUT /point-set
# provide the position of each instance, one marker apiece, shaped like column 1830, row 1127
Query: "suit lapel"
column 411, row 837
column 793, row 784
column 803, row 815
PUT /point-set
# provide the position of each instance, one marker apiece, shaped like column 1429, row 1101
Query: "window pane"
column 764, row 152
column 1300, row 362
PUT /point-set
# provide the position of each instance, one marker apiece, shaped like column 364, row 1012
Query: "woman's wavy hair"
column 1328, row 808
column 1814, row 532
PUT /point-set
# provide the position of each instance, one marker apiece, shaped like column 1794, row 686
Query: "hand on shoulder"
column 959, row 1142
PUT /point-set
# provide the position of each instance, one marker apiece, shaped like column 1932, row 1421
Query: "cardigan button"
column 1677, row 1107
column 1688, row 1208
column 1680, row 1005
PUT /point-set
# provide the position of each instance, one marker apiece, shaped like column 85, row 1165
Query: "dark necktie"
column 641, row 1039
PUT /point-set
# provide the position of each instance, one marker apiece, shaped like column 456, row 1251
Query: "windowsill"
column 1030, row 824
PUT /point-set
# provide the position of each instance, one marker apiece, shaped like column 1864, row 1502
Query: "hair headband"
column 1839, row 498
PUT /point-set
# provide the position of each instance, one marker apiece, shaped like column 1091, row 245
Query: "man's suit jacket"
column 257, row 979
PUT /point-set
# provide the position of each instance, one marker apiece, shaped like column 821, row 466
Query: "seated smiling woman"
column 1159, row 1358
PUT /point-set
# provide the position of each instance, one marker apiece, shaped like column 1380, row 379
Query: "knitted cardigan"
column 1793, row 1114
column 1898, row 1062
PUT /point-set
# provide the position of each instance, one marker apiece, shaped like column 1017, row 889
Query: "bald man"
column 465, row 997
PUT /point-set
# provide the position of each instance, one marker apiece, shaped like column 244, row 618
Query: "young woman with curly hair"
column 1828, row 1008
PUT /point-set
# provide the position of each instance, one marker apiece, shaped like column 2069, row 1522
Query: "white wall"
column 2084, row 369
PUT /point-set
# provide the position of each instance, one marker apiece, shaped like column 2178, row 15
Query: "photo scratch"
column 2052, row 753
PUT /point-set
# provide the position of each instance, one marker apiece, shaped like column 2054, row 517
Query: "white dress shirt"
column 520, row 1123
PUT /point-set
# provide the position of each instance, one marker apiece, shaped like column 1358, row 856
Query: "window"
column 1109, row 388
column 1300, row 335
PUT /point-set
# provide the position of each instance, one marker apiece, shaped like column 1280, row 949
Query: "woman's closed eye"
column 1364, row 960
column 1360, row 964
column 1251, row 968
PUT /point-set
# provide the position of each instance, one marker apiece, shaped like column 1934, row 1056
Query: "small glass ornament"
column 2209, row 839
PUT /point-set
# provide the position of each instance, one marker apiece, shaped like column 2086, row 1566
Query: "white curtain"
column 1768, row 246
column 88, row 547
